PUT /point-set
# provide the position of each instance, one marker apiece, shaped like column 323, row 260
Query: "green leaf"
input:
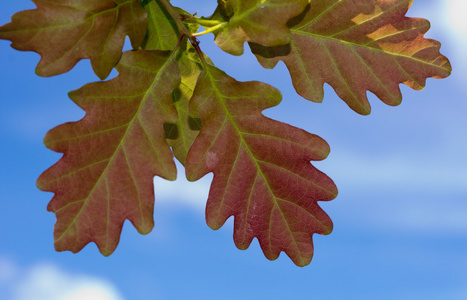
column 259, row 21
column 111, row 155
column 163, row 34
column 162, row 31
column 262, row 170
column 63, row 32
column 183, row 133
column 357, row 46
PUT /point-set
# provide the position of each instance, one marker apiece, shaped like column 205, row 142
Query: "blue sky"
column 400, row 220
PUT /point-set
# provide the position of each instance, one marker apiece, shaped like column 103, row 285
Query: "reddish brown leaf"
column 262, row 170
column 63, row 32
column 357, row 46
column 111, row 156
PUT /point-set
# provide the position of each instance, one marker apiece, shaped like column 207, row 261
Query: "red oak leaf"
column 63, row 32
column 262, row 170
column 111, row 155
column 357, row 46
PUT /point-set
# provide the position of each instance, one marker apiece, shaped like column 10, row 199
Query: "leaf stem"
column 202, row 22
column 184, row 31
column 176, row 17
column 210, row 29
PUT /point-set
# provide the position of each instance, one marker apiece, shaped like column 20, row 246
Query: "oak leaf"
column 162, row 31
column 63, row 32
column 357, row 46
column 262, row 170
column 260, row 21
column 111, row 155
column 181, row 134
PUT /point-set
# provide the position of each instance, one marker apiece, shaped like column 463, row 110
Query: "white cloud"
column 455, row 24
column 396, row 172
column 182, row 191
column 46, row 281
column 399, row 193
column 454, row 14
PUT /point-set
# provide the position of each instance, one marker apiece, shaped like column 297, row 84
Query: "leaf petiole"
column 202, row 22
column 210, row 29
column 176, row 17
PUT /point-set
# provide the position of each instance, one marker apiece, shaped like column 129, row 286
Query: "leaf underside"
column 357, row 46
column 181, row 134
column 262, row 170
column 165, row 104
column 63, row 32
column 259, row 21
column 111, row 155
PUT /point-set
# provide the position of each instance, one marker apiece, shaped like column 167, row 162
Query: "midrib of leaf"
column 318, row 36
column 245, row 145
column 332, row 37
column 120, row 144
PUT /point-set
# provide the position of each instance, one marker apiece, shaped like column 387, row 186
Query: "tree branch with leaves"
column 170, row 101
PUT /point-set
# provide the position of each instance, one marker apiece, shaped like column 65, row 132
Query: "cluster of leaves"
column 170, row 100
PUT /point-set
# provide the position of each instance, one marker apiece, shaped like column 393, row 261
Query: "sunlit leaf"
column 111, row 155
column 169, row 100
column 180, row 136
column 357, row 46
column 259, row 21
column 262, row 170
column 63, row 32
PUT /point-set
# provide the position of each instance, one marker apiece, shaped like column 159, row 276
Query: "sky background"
column 400, row 220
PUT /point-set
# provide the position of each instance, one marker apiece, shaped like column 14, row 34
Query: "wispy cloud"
column 396, row 172
column 8, row 271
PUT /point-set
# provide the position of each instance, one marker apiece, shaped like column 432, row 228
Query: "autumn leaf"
column 262, row 170
column 63, row 32
column 260, row 21
column 357, row 46
column 111, row 155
